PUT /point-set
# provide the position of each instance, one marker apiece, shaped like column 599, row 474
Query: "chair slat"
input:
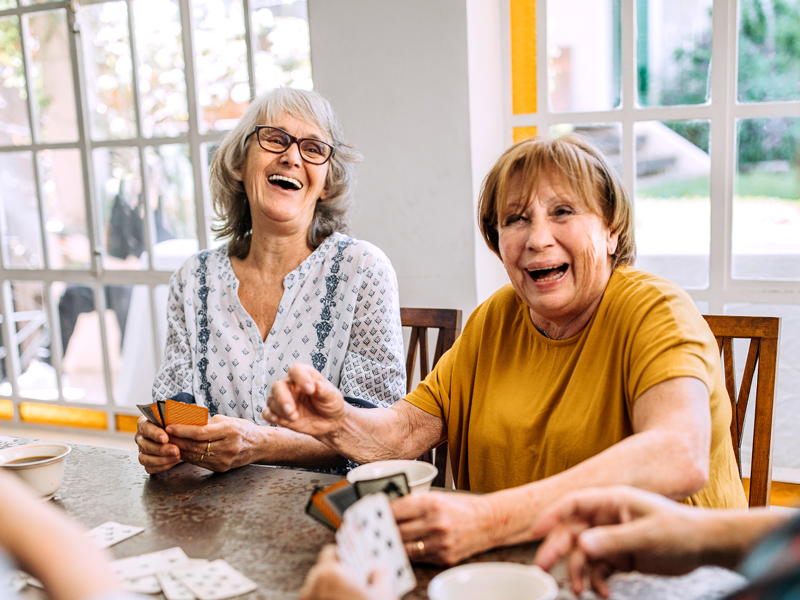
column 763, row 333
column 447, row 321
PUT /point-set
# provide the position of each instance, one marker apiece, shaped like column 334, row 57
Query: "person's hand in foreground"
column 443, row 528
column 328, row 580
column 47, row 545
column 602, row 530
column 306, row 402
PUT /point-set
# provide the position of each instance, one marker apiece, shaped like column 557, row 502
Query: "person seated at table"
column 37, row 538
column 289, row 286
column 583, row 372
column 602, row 530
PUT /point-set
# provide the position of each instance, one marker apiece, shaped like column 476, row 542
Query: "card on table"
column 215, row 581
column 369, row 539
column 110, row 533
column 135, row 567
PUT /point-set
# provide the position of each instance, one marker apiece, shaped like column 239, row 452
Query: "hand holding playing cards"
column 329, row 580
column 305, row 402
column 450, row 526
column 225, row 443
column 156, row 453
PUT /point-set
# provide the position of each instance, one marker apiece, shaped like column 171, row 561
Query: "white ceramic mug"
column 420, row 474
column 40, row 465
column 493, row 581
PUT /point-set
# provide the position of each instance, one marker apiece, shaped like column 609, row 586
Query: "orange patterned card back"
column 178, row 413
column 327, row 511
column 156, row 414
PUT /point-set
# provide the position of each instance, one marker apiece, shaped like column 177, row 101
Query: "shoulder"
column 200, row 265
column 641, row 299
column 355, row 253
column 502, row 309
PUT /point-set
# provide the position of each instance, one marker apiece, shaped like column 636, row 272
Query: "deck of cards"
column 368, row 539
column 327, row 505
column 173, row 412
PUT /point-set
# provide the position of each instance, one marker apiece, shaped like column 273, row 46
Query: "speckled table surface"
column 254, row 517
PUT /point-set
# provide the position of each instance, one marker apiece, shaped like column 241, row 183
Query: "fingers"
column 145, row 428
column 560, row 541
column 598, row 577
column 413, row 506
column 576, row 564
column 158, row 464
column 281, row 405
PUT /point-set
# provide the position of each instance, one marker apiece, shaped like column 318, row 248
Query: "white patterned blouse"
column 339, row 312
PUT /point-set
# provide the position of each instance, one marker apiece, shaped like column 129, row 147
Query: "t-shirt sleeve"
column 374, row 366
column 176, row 373
column 671, row 340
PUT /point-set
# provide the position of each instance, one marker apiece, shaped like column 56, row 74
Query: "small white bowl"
column 420, row 474
column 43, row 475
column 493, row 581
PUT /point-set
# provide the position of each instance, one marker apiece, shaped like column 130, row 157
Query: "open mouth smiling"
column 548, row 273
column 286, row 183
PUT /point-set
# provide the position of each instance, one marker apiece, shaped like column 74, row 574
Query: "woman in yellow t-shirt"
column 583, row 372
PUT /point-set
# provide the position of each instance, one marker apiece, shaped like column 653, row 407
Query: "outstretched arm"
column 601, row 530
column 306, row 402
column 49, row 546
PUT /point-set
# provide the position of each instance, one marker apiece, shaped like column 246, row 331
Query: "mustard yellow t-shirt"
column 520, row 407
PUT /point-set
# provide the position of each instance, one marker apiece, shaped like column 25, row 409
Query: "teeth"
column 556, row 275
column 558, row 272
column 293, row 182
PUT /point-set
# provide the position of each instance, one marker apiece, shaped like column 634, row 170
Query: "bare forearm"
column 374, row 434
column 282, row 447
column 647, row 460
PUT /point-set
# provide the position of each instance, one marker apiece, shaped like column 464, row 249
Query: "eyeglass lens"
column 276, row 140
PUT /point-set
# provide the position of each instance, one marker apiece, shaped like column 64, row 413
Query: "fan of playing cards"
column 172, row 412
column 369, row 539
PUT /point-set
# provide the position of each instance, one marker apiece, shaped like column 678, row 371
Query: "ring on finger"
column 418, row 548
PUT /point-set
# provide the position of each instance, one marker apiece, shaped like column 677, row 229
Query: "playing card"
column 14, row 581
column 151, row 412
column 111, row 533
column 185, row 414
column 341, row 498
column 171, row 587
column 215, row 581
column 394, row 486
column 313, row 511
column 135, row 567
column 374, row 541
column 160, row 408
column 141, row 585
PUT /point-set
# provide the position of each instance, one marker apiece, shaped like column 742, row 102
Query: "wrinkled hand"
column 602, row 530
column 233, row 443
column 451, row 526
column 305, row 402
column 328, row 580
column 156, row 453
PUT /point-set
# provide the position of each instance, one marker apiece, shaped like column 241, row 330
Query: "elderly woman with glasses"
column 583, row 372
column 289, row 286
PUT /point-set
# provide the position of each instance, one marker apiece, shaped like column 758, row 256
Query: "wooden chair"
column 448, row 322
column 763, row 333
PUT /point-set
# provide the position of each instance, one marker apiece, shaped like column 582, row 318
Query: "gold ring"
column 419, row 549
column 208, row 449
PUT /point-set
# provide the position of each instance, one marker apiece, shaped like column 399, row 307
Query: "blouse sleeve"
column 374, row 366
column 176, row 373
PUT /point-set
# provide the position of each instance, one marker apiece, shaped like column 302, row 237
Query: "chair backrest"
column 763, row 333
column 448, row 322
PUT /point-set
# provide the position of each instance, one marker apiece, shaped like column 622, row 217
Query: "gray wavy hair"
column 232, row 210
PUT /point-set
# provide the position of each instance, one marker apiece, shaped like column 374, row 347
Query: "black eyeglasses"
column 277, row 140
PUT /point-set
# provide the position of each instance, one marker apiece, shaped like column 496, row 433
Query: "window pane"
column 162, row 86
column 766, row 203
column 673, row 209
column 119, row 190
column 32, row 2
column 21, row 232
column 53, row 83
column 65, row 218
column 673, row 52
column 107, row 56
column 133, row 344
column 221, row 55
column 769, row 62
column 171, row 196
column 583, row 55
column 83, row 374
column 31, row 325
column 785, row 441
column 14, row 127
column 281, row 45
column 4, row 4
column 606, row 136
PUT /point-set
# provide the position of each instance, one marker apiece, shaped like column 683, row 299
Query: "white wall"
column 397, row 74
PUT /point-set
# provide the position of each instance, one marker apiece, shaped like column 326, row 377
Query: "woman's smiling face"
column 283, row 188
column 557, row 251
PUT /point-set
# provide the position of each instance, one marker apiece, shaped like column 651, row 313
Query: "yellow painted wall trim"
column 521, row 133
column 127, row 423
column 523, row 56
column 6, row 409
column 47, row 414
